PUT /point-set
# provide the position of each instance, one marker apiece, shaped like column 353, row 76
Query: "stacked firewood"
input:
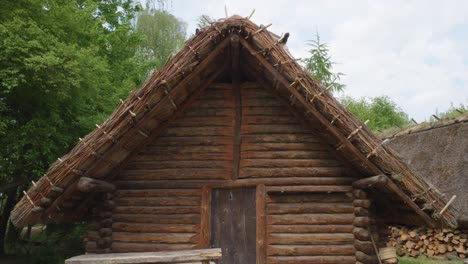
column 428, row 241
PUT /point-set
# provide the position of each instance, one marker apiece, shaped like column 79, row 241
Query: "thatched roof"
column 148, row 110
column 439, row 152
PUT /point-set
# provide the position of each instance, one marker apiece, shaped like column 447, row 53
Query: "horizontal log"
column 265, row 111
column 310, row 219
column 124, row 247
column 268, row 120
column 281, row 138
column 311, row 259
column 310, row 239
column 310, row 198
column 105, row 232
column 156, row 209
column 287, row 154
column 183, row 156
column 314, row 250
column 154, row 228
column 365, row 258
column 278, row 163
column 205, row 112
column 362, row 234
column 294, row 172
column 283, row 146
column 362, row 203
column 272, row 129
column 169, row 238
column 190, row 184
column 374, row 181
column 187, row 149
column 157, row 193
column 198, row 131
column 192, row 141
column 362, row 221
column 104, row 242
column 157, row 201
column 364, row 246
column 172, row 174
column 359, row 194
column 178, row 164
column 248, row 102
column 87, row 185
column 361, row 211
column 149, row 257
column 203, row 121
column 158, row 219
column 297, row 208
column 310, row 228
column 309, row 188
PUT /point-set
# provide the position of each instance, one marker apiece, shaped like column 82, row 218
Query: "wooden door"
column 233, row 224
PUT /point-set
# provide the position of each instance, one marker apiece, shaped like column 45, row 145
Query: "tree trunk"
column 8, row 207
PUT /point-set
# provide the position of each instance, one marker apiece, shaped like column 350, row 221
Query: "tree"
column 163, row 35
column 320, row 65
column 381, row 112
column 63, row 66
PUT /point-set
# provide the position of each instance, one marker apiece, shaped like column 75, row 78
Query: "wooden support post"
column 235, row 78
column 261, row 224
column 205, row 222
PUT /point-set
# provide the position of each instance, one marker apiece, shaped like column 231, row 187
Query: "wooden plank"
column 295, row 172
column 310, row 188
column 310, row 239
column 260, row 203
column 281, row 138
column 298, row 208
column 178, row 164
column 328, row 228
column 278, row 163
column 158, row 219
column 154, row 228
column 184, row 156
column 148, row 257
column 282, row 154
column 156, row 201
column 172, row 174
column 192, row 140
column 311, row 250
column 132, row 209
column 283, row 146
column 205, row 225
column 157, row 193
column 235, row 78
column 310, row 198
column 272, row 129
column 125, row 247
column 310, row 219
column 169, row 238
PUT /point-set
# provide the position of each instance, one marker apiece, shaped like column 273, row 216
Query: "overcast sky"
column 416, row 52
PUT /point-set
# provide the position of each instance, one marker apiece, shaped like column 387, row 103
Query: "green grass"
column 423, row 260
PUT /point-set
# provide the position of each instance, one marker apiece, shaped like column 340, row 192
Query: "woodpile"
column 428, row 241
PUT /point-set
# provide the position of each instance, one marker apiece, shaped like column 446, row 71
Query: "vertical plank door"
column 233, row 224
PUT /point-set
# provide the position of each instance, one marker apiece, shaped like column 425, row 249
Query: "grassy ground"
column 422, row 260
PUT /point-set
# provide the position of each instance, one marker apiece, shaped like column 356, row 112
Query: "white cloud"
column 404, row 49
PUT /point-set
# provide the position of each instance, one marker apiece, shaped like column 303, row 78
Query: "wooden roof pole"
column 235, row 79
column 282, row 80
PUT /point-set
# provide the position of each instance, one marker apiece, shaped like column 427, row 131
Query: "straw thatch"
column 439, row 152
column 148, row 110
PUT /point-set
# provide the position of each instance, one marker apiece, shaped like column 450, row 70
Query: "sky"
column 415, row 52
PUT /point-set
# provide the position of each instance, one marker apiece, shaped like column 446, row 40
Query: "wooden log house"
column 233, row 145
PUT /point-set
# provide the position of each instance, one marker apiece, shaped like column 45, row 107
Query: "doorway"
column 233, row 224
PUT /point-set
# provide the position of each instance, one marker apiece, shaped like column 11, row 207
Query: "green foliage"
column 320, row 65
column 381, row 112
column 452, row 112
column 53, row 245
column 163, row 34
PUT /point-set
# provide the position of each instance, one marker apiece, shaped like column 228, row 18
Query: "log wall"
column 304, row 208
column 310, row 228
